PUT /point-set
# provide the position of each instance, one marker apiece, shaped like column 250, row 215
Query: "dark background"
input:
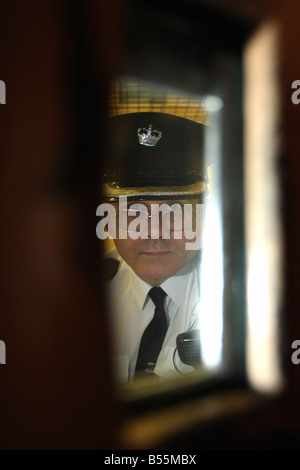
column 56, row 59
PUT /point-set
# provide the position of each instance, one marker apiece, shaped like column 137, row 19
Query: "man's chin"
column 155, row 275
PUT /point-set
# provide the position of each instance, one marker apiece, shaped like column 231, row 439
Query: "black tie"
column 154, row 334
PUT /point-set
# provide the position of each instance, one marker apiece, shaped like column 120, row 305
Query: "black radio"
column 188, row 346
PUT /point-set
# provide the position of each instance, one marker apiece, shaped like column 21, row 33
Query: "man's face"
column 156, row 259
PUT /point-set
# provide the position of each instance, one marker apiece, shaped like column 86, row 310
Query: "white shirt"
column 132, row 311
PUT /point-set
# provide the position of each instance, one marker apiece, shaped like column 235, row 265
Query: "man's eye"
column 136, row 207
column 176, row 207
column 131, row 212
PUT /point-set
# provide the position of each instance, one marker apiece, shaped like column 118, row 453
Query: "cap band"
column 111, row 191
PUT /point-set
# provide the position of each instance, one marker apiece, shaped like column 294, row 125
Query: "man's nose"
column 156, row 229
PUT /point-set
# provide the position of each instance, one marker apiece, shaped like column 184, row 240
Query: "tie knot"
column 157, row 295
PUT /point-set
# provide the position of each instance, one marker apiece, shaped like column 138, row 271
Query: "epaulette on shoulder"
column 110, row 268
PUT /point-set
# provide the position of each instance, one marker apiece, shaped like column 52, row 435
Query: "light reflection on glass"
column 211, row 278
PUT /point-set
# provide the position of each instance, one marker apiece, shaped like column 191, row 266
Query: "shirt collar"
column 139, row 288
column 175, row 286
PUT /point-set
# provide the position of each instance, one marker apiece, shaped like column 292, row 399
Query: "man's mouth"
column 155, row 254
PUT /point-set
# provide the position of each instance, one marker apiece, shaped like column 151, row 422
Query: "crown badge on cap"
column 148, row 136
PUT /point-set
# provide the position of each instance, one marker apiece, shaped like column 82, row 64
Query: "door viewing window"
column 196, row 346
